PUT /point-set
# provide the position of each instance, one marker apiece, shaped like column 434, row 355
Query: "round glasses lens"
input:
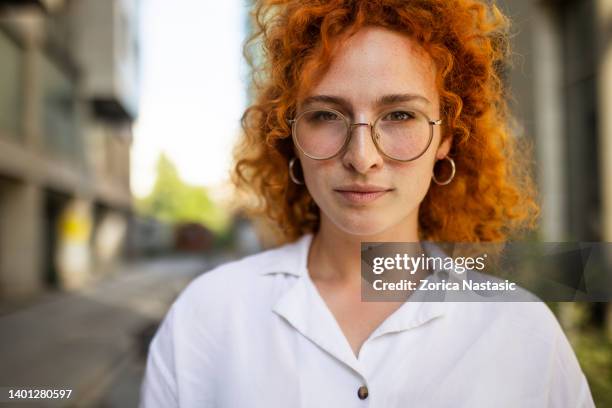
column 321, row 133
column 403, row 134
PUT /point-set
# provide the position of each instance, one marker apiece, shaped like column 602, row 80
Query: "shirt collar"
column 291, row 258
column 302, row 306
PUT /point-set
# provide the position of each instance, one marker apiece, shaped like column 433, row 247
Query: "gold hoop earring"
column 452, row 176
column 293, row 178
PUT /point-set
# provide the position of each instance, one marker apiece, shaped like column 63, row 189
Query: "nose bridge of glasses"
column 358, row 124
column 361, row 124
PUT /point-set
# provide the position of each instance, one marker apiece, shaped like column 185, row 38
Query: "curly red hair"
column 492, row 196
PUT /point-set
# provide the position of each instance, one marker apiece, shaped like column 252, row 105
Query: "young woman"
column 373, row 120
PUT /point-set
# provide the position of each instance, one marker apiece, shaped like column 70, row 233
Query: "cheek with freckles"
column 412, row 182
column 316, row 178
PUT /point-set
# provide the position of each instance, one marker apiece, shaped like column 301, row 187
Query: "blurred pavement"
column 93, row 341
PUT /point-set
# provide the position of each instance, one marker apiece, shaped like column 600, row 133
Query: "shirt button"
column 362, row 392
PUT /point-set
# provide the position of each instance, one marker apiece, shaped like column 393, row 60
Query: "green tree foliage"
column 174, row 201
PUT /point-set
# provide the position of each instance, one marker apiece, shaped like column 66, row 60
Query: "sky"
column 193, row 89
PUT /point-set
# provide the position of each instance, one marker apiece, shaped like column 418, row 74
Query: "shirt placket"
column 306, row 311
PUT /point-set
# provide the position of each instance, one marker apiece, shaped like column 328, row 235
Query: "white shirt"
column 256, row 333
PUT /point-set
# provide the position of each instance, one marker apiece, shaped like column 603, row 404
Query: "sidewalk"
column 94, row 341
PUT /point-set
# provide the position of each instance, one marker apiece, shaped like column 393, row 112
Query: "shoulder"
column 210, row 313
column 527, row 337
column 521, row 328
column 567, row 385
column 223, row 282
column 530, row 321
column 229, row 292
column 212, row 309
column 241, row 281
column 534, row 318
column 532, row 330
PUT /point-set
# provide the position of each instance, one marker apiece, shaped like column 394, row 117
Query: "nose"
column 361, row 154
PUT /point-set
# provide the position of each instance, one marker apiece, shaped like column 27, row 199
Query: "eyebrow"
column 381, row 101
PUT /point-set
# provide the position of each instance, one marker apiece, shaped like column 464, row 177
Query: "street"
column 94, row 341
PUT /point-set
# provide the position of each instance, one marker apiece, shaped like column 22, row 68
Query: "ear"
column 444, row 148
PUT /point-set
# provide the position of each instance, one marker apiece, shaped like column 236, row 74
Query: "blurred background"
column 117, row 120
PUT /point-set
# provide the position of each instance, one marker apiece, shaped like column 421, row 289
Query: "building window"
column 59, row 119
column 10, row 87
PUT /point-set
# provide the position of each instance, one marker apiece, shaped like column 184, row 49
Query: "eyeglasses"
column 400, row 134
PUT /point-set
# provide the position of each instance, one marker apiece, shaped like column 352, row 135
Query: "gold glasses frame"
column 373, row 134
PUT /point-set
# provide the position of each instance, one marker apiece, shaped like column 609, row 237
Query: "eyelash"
column 410, row 115
column 319, row 115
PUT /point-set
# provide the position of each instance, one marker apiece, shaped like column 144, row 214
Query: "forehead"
column 377, row 61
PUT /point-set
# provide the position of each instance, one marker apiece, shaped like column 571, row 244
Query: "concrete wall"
column 562, row 86
column 20, row 239
column 60, row 159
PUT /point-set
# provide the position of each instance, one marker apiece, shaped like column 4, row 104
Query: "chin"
column 362, row 225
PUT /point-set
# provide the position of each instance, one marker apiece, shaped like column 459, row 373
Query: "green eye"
column 325, row 116
column 399, row 116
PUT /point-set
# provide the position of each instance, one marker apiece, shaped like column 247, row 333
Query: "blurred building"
column 68, row 97
column 561, row 84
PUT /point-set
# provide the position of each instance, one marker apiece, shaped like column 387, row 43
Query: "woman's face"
column 375, row 71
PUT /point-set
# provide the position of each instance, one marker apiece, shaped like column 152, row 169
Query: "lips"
column 362, row 194
column 363, row 188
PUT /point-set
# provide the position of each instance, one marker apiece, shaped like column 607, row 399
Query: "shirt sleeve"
column 159, row 386
column 568, row 384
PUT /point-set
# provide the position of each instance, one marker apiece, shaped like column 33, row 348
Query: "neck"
column 335, row 255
